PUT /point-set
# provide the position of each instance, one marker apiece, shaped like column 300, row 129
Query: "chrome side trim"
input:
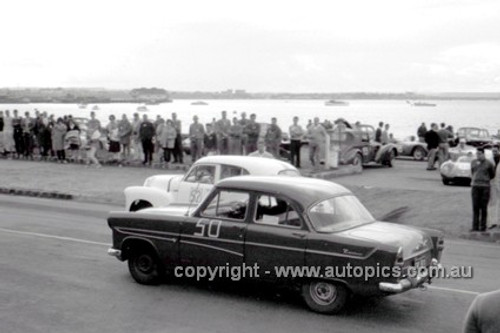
column 148, row 234
column 222, row 240
column 332, row 254
column 276, row 247
column 212, row 247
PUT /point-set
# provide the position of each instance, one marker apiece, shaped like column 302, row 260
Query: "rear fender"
column 130, row 244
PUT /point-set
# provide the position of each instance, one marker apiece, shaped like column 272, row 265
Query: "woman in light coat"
column 58, row 135
column 167, row 138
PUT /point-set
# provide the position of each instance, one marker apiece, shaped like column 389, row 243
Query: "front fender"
column 156, row 197
column 348, row 156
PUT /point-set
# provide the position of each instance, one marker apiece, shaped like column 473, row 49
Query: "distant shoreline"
column 106, row 101
column 159, row 95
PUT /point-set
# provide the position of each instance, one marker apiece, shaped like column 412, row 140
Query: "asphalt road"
column 55, row 276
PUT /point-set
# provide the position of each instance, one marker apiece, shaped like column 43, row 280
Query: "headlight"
column 399, row 258
column 447, row 169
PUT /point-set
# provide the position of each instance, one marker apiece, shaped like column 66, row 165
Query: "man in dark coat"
column 432, row 140
column 146, row 135
column 482, row 172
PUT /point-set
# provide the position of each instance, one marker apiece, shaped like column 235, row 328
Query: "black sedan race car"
column 304, row 232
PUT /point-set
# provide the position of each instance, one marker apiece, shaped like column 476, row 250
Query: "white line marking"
column 468, row 292
column 77, row 240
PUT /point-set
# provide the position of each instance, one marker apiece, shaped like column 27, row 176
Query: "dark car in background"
column 474, row 136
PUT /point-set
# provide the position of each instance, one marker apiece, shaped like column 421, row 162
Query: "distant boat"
column 142, row 108
column 420, row 103
column 95, row 107
column 82, row 106
column 199, row 103
column 334, row 102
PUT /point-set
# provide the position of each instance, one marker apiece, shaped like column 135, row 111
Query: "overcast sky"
column 294, row 46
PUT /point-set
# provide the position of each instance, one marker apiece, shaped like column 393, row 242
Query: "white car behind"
column 191, row 188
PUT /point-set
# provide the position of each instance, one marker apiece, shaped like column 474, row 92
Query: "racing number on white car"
column 195, row 195
column 213, row 228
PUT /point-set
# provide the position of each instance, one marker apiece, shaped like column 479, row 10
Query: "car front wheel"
column 446, row 181
column 418, row 153
column 357, row 163
column 145, row 267
column 325, row 297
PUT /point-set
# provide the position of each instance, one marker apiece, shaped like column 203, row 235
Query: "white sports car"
column 457, row 170
column 191, row 188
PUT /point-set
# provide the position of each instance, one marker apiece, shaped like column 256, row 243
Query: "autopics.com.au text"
column 244, row 271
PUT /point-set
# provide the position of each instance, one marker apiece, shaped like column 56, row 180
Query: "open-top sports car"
column 297, row 231
column 457, row 169
column 412, row 148
column 162, row 190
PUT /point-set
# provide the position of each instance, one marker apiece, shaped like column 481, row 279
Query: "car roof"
column 254, row 165
column 304, row 190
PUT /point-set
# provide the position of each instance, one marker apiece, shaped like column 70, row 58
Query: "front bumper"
column 408, row 283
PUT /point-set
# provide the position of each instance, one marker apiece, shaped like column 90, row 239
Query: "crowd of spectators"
column 160, row 141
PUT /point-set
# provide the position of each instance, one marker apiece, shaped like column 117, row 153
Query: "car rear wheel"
column 144, row 266
column 418, row 153
column 446, row 181
column 325, row 297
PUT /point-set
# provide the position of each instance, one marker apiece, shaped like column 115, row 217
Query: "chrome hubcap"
column 145, row 264
column 323, row 293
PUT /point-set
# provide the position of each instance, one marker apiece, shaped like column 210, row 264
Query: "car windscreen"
column 338, row 213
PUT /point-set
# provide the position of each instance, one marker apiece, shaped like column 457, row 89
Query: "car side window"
column 228, row 204
column 232, row 171
column 276, row 211
column 204, row 174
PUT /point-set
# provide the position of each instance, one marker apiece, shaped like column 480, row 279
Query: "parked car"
column 412, row 148
column 358, row 148
column 271, row 223
column 474, row 136
column 162, row 190
column 457, row 169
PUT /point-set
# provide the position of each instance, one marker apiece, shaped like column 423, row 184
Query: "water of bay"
column 402, row 117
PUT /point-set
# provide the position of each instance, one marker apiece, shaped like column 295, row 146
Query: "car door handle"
column 298, row 234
